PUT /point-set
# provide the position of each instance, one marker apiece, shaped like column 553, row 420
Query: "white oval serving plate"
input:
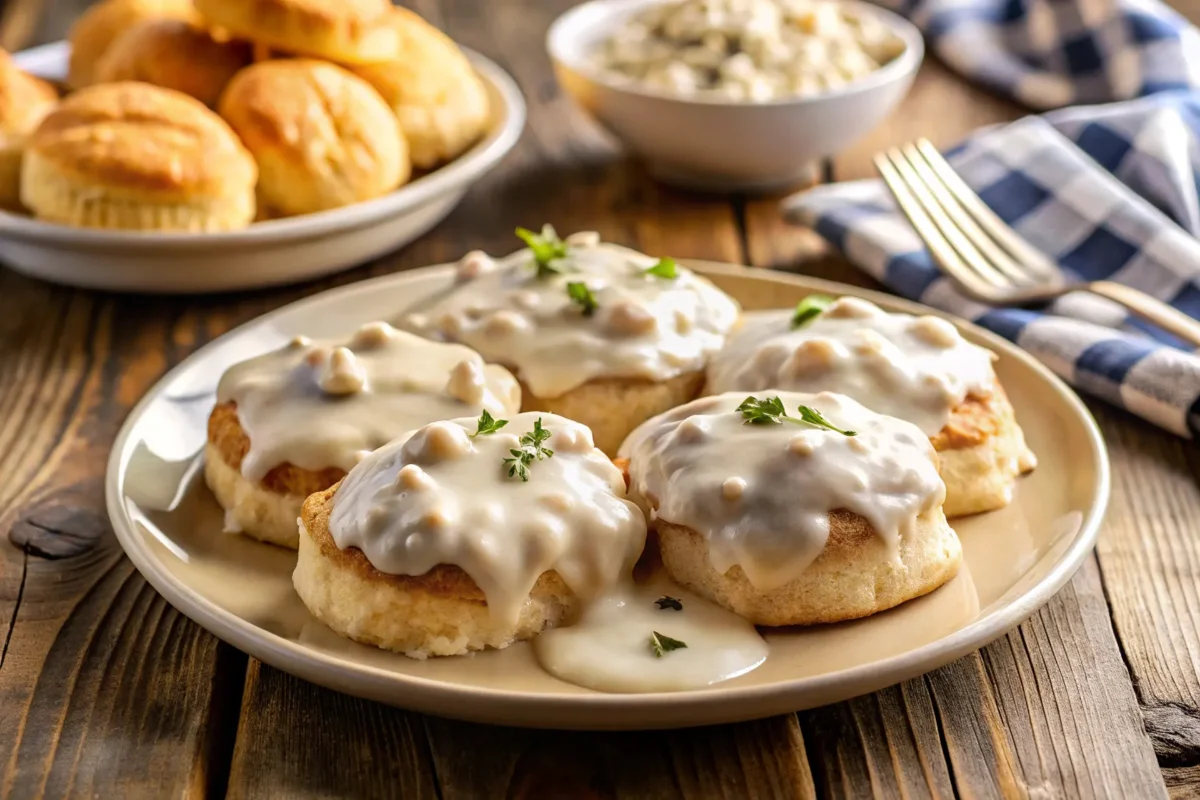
column 267, row 253
column 170, row 526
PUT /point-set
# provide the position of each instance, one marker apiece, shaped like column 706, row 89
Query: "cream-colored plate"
column 267, row 253
column 242, row 591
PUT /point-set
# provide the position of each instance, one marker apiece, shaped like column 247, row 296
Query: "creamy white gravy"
column 761, row 494
column 609, row 649
column 643, row 326
column 915, row 368
column 326, row 404
column 441, row 496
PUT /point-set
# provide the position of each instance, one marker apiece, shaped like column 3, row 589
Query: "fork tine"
column 1023, row 253
column 941, row 250
column 968, row 254
column 986, row 246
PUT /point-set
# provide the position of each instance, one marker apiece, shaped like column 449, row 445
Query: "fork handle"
column 1150, row 309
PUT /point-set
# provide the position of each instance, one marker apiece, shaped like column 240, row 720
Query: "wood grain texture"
column 104, row 689
column 1150, row 559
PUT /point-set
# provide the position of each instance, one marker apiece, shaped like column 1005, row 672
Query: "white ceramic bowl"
column 718, row 145
column 266, row 253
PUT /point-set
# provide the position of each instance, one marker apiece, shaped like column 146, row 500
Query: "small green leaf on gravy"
column 488, row 425
column 666, row 601
column 762, row 412
column 772, row 412
column 582, row 296
column 531, row 450
column 661, row 644
column 809, row 309
column 546, row 248
column 665, row 268
column 813, row 417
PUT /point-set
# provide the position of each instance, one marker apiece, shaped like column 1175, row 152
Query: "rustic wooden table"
column 107, row 691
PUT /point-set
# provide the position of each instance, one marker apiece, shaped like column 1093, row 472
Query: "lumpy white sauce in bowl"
column 735, row 95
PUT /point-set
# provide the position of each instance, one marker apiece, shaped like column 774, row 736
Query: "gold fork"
column 986, row 258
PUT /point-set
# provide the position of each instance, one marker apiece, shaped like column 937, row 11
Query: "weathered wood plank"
column 1150, row 560
column 295, row 739
column 755, row 759
column 104, row 689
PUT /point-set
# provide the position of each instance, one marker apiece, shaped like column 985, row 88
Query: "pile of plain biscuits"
column 208, row 116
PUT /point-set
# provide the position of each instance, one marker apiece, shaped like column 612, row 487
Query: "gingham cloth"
column 1054, row 53
column 1109, row 191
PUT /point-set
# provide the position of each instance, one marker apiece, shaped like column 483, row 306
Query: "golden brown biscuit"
column 612, row 407
column 24, row 101
column 265, row 510
column 138, row 157
column 440, row 613
column 440, row 101
column 323, row 138
column 176, row 54
column 855, row 576
column 101, row 24
column 349, row 31
column 981, row 452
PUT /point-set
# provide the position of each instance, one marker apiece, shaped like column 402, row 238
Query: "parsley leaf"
column 665, row 268
column 546, row 248
column 772, row 412
column 531, row 450
column 662, row 644
column 488, row 425
column 813, row 417
column 666, row 601
column 582, row 296
column 762, row 412
column 809, row 309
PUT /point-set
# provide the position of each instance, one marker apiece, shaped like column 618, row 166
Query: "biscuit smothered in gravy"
column 468, row 534
column 595, row 332
column 294, row 421
column 918, row 369
column 791, row 509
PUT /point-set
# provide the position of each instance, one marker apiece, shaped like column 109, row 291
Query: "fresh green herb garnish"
column 813, row 417
column 762, row 412
column 666, row 601
column 546, row 247
column 531, row 450
column 665, row 268
column 772, row 412
column 662, row 644
column 809, row 309
column 582, row 296
column 488, row 425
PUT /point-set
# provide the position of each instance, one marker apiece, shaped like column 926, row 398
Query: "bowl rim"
column 510, row 115
column 897, row 69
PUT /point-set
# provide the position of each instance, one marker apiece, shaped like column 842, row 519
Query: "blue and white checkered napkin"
column 1096, row 189
column 1053, row 53
column 1109, row 191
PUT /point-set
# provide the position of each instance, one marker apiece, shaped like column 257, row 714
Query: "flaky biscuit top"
column 144, row 139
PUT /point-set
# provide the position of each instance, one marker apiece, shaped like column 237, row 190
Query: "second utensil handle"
column 1150, row 309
